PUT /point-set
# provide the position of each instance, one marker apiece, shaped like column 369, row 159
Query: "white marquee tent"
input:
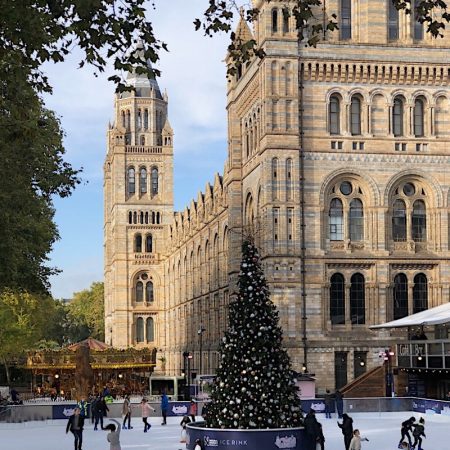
column 433, row 316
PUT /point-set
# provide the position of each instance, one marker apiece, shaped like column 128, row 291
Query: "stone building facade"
column 366, row 179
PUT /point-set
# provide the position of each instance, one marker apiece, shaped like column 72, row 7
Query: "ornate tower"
column 138, row 200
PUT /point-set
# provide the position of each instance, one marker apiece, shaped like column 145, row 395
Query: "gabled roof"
column 243, row 31
column 433, row 316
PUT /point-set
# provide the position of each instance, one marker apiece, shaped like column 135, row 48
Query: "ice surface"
column 382, row 430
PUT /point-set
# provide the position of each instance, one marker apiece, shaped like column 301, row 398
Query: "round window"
column 346, row 188
column 144, row 276
column 409, row 189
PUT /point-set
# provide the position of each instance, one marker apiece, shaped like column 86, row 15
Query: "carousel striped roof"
column 92, row 343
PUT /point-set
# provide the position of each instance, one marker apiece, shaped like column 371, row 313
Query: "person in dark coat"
column 347, row 429
column 311, row 430
column 100, row 412
column 419, row 431
column 406, row 428
column 328, row 400
column 321, row 437
column 75, row 425
column 339, row 403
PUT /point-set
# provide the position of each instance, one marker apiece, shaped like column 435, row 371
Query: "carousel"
column 90, row 367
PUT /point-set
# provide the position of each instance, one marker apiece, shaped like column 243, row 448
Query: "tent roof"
column 433, row 316
column 92, row 343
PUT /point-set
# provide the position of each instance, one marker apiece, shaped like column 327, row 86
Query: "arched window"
column 139, row 291
column 140, row 329
column 275, row 178
column 146, row 119
column 149, row 295
column 355, row 113
column 285, row 20
column 274, row 20
column 143, row 180
column 346, row 19
column 158, row 217
column 289, row 179
column 123, row 119
column 146, row 217
column 149, row 243
column 393, row 21
column 135, row 217
column 337, row 299
column 131, row 181
column 154, row 180
column 128, row 120
column 418, row 27
column 138, row 243
column 130, row 217
column 150, row 328
column 139, row 119
column 400, row 296
column 420, row 293
column 357, row 299
column 418, row 118
column 419, row 221
column 141, row 217
column 334, row 115
column 399, row 221
column 356, row 220
column 336, row 220
column 397, row 117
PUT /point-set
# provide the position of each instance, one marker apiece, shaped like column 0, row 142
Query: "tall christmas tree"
column 254, row 386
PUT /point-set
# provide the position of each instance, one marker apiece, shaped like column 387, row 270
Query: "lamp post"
column 200, row 334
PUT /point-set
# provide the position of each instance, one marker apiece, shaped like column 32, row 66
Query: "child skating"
column 113, row 437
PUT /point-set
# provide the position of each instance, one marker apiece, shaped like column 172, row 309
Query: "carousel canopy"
column 433, row 316
column 92, row 343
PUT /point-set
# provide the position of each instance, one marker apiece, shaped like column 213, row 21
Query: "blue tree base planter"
column 219, row 439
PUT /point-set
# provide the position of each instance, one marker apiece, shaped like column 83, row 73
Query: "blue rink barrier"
column 218, row 439
column 431, row 406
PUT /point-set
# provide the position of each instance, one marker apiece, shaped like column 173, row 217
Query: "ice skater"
column 407, row 426
column 419, row 431
column 347, row 429
column 75, row 425
column 184, row 421
column 126, row 413
column 355, row 443
column 113, row 437
column 146, row 409
column 193, row 410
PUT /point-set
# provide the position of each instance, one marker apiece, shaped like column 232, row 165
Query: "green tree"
column 86, row 314
column 254, row 386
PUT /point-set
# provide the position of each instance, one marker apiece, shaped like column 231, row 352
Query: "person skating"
column 146, row 409
column 82, row 404
column 347, row 429
column 113, row 436
column 164, row 407
column 100, row 412
column 184, row 421
column 320, row 438
column 75, row 425
column 339, row 403
column 311, row 430
column 193, row 410
column 355, row 443
column 419, row 431
column 126, row 413
column 406, row 428
column 328, row 400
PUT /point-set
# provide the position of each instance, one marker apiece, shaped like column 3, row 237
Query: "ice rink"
column 382, row 431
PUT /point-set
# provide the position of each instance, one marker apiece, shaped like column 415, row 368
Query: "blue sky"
column 193, row 72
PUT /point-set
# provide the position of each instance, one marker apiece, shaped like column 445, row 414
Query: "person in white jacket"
column 355, row 443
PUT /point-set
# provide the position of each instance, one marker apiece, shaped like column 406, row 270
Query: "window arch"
column 146, row 119
column 357, row 299
column 419, row 107
column 131, row 181
column 289, row 176
column 399, row 221
column 139, row 329
column 334, row 114
column 139, row 295
column 337, row 299
column 420, row 293
column 149, row 243
column 356, row 220
column 346, row 19
column 154, row 177
column 419, row 221
column 138, row 243
column 149, row 292
column 393, row 21
column 336, row 220
column 286, row 15
column 275, row 178
column 150, row 329
column 143, row 180
column 400, row 296
column 355, row 115
column 274, row 20
column 397, row 116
